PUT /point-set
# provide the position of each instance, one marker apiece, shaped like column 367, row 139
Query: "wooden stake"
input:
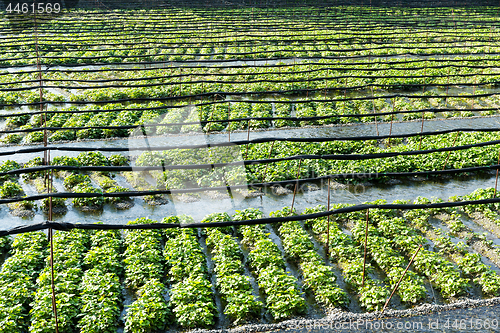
column 43, row 119
column 295, row 188
column 421, row 130
column 401, row 279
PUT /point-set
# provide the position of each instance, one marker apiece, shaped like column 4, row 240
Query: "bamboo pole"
column 296, row 185
column 401, row 279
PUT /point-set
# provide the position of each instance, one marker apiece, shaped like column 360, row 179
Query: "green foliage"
column 143, row 259
column 69, row 249
column 149, row 313
column 75, row 179
column 11, row 189
column 101, row 292
column 283, row 298
column 234, row 287
column 191, row 294
column 118, row 160
column 92, row 158
column 218, row 218
column 436, row 268
column 8, row 165
column 96, row 202
column 192, row 302
column 37, row 161
column 12, row 138
column 318, row 277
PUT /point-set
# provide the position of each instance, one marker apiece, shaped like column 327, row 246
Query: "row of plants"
column 431, row 264
column 411, row 289
column 283, row 297
column 191, row 293
column 267, row 80
column 10, row 188
column 234, row 286
column 349, row 257
column 317, row 276
column 489, row 210
column 70, row 248
column 257, row 50
column 144, row 271
column 109, row 185
column 236, row 110
column 18, row 279
column 470, row 263
column 101, row 287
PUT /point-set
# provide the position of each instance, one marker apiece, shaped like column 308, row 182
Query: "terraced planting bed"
column 200, row 119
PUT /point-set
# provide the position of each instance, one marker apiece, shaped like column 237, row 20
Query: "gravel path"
column 463, row 316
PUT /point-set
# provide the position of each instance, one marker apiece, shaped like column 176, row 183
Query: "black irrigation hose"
column 231, row 143
column 65, row 226
column 352, row 175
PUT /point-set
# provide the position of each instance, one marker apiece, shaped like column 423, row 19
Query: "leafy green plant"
column 75, row 179
column 150, row 312
column 95, row 202
column 283, row 297
column 8, row 165
column 10, row 189
column 318, row 277
column 234, row 287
